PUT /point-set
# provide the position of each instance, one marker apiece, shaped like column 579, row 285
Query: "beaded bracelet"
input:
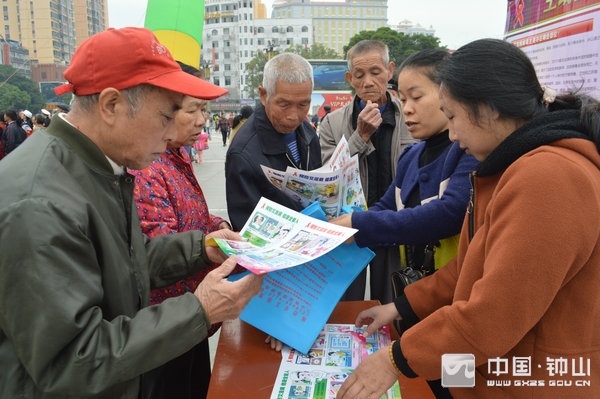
column 392, row 356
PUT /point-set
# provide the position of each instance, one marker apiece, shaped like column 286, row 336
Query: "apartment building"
column 51, row 30
column 234, row 31
column 335, row 23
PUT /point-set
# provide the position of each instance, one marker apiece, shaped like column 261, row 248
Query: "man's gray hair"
column 286, row 67
column 366, row 46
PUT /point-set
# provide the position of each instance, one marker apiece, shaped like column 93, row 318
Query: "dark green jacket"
column 76, row 272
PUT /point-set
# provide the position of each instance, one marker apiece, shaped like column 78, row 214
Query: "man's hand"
column 369, row 120
column 377, row 317
column 222, row 299
column 213, row 252
column 371, row 379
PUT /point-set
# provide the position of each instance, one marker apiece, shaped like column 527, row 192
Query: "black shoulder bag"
column 408, row 275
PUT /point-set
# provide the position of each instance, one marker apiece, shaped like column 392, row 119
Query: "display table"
column 246, row 367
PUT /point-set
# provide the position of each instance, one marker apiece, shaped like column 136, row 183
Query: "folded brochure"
column 276, row 237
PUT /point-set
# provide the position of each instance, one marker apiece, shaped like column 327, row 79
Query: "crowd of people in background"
column 16, row 126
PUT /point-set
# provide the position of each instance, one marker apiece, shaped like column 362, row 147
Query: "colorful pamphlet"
column 333, row 186
column 277, row 238
column 295, row 303
column 319, row 374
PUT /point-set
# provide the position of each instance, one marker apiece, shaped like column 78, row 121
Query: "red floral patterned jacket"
column 169, row 200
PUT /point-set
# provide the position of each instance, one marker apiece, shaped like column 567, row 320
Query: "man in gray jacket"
column 75, row 269
column 374, row 127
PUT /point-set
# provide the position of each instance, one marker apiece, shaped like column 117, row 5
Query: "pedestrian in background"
column 47, row 117
column 13, row 134
column 239, row 120
column 224, row 126
column 38, row 122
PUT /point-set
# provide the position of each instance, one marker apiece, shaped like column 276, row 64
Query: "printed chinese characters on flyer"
column 337, row 351
column 333, row 186
column 277, row 237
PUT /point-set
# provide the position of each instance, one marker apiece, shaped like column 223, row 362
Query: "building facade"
column 234, row 31
column 16, row 56
column 335, row 23
column 51, row 30
column 409, row 28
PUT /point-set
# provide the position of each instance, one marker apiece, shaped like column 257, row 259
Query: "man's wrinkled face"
column 288, row 106
column 143, row 136
column 369, row 77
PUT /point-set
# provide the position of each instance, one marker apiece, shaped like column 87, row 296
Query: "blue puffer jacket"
column 444, row 190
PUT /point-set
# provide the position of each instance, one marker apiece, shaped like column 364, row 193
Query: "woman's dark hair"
column 245, row 113
column 429, row 61
column 499, row 75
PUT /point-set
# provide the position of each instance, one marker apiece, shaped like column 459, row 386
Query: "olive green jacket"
column 76, row 272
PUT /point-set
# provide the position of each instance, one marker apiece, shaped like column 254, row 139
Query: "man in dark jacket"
column 13, row 135
column 277, row 135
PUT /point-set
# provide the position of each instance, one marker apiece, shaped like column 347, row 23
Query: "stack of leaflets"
column 333, row 186
column 308, row 270
column 319, row 374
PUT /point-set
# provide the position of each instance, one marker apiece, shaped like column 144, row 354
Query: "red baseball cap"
column 127, row 57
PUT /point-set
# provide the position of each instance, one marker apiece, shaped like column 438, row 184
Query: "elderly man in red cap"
column 75, row 269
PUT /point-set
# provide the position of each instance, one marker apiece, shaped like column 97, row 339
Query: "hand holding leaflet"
column 333, row 186
column 278, row 238
column 295, row 303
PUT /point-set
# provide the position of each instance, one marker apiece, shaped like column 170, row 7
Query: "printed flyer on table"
column 338, row 350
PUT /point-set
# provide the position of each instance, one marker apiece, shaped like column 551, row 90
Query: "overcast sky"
column 455, row 22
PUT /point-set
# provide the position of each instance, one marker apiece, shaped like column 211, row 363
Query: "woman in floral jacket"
column 169, row 200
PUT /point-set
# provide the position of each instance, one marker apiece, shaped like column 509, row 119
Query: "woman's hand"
column 345, row 221
column 371, row 379
column 213, row 252
column 376, row 317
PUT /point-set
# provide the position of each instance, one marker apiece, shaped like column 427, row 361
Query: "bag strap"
column 428, row 266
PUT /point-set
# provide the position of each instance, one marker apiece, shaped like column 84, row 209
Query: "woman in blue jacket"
column 427, row 201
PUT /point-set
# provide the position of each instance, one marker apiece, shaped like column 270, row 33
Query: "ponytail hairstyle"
column 499, row 75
